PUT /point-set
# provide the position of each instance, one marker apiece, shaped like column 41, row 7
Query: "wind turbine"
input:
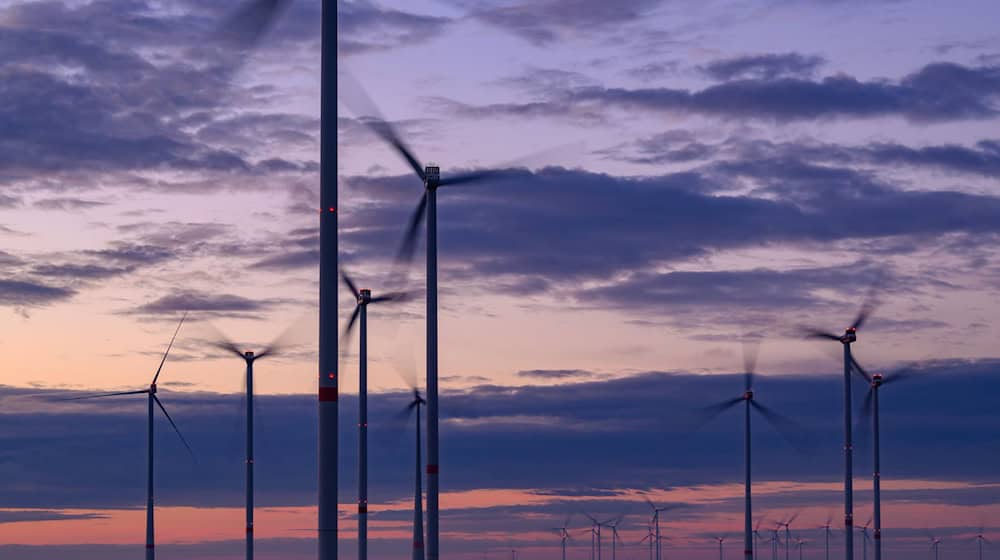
column 364, row 298
column 935, row 543
column 865, row 539
column 870, row 410
column 826, row 533
column 849, row 337
column 595, row 531
column 418, row 494
column 788, row 533
column 276, row 346
column 656, row 522
column 720, row 540
column 750, row 348
column 799, row 543
column 247, row 24
column 756, row 536
column 651, row 537
column 775, row 542
column 151, row 399
column 564, row 535
column 980, row 539
column 613, row 525
column 426, row 210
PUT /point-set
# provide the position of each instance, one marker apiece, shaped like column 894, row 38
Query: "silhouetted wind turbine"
column 849, row 337
column 656, row 522
column 564, row 534
column 418, row 494
column 870, row 410
column 249, row 358
column 865, row 539
column 151, row 399
column 980, row 539
column 364, row 298
column 720, row 540
column 788, row 532
column 756, row 536
column 244, row 28
column 826, row 533
column 426, row 209
column 935, row 544
column 613, row 525
column 595, row 529
column 750, row 348
column 799, row 543
column 651, row 537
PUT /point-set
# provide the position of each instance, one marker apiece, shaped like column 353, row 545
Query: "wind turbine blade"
column 174, row 425
column 709, row 413
column 391, row 296
column 479, row 176
column 247, row 25
column 751, row 349
column 293, row 335
column 345, row 336
column 871, row 302
column 350, row 283
column 169, row 346
column 355, row 98
column 102, row 395
column 860, row 370
column 221, row 341
column 816, row 333
column 899, row 375
column 783, row 425
column 409, row 245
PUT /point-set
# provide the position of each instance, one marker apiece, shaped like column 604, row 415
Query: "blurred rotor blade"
column 899, row 375
column 409, row 245
column 479, row 176
column 786, row 428
column 751, row 349
column 871, row 302
column 350, row 283
column 816, row 333
column 709, row 413
column 249, row 22
column 391, row 296
column 102, row 395
column 176, row 429
column 860, row 370
column 294, row 334
column 355, row 98
column 169, row 346
column 350, row 324
column 220, row 340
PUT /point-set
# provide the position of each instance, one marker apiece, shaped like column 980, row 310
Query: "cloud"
column 367, row 26
column 203, row 302
column 546, row 21
column 938, row 92
column 555, row 374
column 18, row 516
column 67, row 204
column 29, row 293
column 763, row 66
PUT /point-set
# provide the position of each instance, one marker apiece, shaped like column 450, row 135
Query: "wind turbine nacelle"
column 364, row 296
column 851, row 335
column 432, row 173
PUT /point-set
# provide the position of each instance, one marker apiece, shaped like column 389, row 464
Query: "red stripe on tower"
column 327, row 394
column 432, row 469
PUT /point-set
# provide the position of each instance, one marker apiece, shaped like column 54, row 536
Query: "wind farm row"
column 762, row 536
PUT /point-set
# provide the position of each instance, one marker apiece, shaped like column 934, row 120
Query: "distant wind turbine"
column 788, row 533
column 151, row 399
column 799, row 543
column 651, row 537
column 656, row 523
column 826, row 534
column 935, row 544
column 595, row 531
column 276, row 347
column 849, row 337
column 613, row 525
column 870, row 411
column 780, row 423
column 418, row 494
column 756, row 537
column 426, row 210
column 721, row 540
column 865, row 538
column 980, row 539
column 364, row 298
column 564, row 535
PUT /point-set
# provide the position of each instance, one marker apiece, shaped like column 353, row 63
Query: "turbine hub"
column 748, row 396
column 364, row 296
column 850, row 335
column 248, row 354
column 152, row 388
column 877, row 379
column 432, row 174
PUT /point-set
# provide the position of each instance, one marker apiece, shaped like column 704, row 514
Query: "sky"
column 679, row 176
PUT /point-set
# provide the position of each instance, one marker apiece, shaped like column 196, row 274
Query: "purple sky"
column 683, row 173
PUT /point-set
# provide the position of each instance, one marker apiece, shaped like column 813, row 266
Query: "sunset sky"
column 683, row 173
